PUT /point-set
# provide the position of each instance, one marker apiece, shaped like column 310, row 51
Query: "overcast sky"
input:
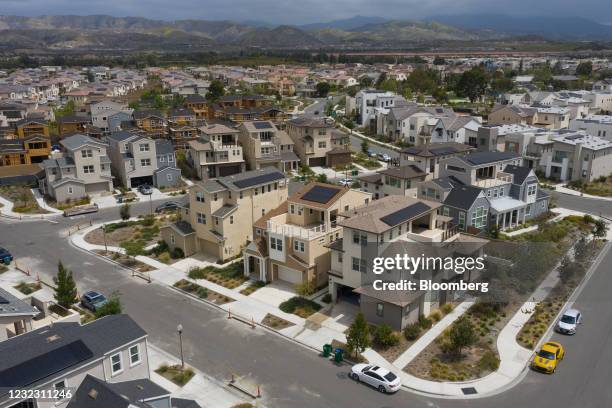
column 306, row 11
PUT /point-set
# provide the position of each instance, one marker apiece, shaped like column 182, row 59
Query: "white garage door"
column 289, row 275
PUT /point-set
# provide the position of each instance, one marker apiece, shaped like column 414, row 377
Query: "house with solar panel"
column 427, row 157
column 264, row 145
column 112, row 349
column 291, row 241
column 218, row 221
column 486, row 189
column 383, row 228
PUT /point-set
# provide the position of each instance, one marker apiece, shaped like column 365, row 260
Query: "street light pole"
column 151, row 203
column 104, row 232
column 179, row 328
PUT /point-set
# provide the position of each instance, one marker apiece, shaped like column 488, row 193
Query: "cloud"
column 305, row 11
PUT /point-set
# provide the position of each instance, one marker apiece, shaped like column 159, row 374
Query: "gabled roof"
column 520, row 173
column 462, row 197
column 438, row 149
column 79, row 140
column 12, row 306
column 163, row 147
column 145, row 113
column 318, row 195
column 403, row 172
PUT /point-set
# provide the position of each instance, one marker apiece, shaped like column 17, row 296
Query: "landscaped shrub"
column 164, row 257
column 305, row 289
column 327, row 298
column 488, row 362
column 300, row 306
column 202, row 292
column 436, row 315
column 424, row 322
column 177, row 253
column 148, row 220
column 446, row 308
column 196, row 273
column 385, row 337
column 412, row 331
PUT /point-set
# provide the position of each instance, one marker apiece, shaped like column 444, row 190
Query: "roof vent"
column 53, row 338
column 93, row 393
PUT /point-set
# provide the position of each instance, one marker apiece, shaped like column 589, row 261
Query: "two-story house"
column 427, row 157
column 151, row 121
column 182, row 127
column 312, row 138
column 83, row 169
column 135, row 160
column 32, row 126
column 263, row 144
column 103, row 110
column 197, row 103
column 72, row 124
column 219, row 219
column 290, row 241
column 395, row 180
column 216, row 153
column 390, row 226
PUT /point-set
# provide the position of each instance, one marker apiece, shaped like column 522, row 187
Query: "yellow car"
column 548, row 357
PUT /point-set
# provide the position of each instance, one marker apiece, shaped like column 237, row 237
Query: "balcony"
column 500, row 179
column 297, row 231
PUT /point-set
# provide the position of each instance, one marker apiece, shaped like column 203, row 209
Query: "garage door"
column 316, row 161
column 289, row 275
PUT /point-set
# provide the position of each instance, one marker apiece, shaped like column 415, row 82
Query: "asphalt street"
column 290, row 375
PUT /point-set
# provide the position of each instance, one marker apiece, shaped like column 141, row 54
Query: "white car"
column 346, row 182
column 569, row 321
column 381, row 379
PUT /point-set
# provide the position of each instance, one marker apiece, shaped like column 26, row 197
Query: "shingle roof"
column 183, row 227
column 520, row 173
column 404, row 172
column 163, row 147
column 12, row 306
column 462, row 197
column 78, row 140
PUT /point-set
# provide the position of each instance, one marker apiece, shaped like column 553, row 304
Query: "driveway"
column 274, row 293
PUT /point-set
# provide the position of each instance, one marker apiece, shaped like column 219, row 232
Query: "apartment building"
column 263, row 145
column 216, row 153
column 83, row 168
column 549, row 117
column 219, row 219
column 182, row 127
column 395, row 180
column 596, row 125
column 384, row 228
column 427, row 157
column 290, row 242
column 577, row 156
column 314, row 139
column 136, row 160
column 112, row 349
column 486, row 189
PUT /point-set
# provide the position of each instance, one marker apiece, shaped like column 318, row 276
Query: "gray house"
column 167, row 173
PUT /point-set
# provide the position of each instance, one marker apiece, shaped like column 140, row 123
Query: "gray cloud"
column 305, row 11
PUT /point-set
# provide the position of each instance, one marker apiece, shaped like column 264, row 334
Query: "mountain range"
column 102, row 32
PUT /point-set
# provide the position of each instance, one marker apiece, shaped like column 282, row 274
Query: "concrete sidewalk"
column 6, row 210
column 562, row 189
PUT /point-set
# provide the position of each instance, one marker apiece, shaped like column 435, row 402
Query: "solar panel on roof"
column 443, row 150
column 262, row 125
column 320, row 194
column 405, row 214
column 489, row 157
column 52, row 362
column 264, row 178
column 573, row 137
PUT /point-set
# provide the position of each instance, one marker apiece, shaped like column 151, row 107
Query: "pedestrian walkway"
column 562, row 189
column 6, row 210
column 42, row 204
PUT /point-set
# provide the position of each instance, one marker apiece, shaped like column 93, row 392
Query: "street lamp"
column 179, row 329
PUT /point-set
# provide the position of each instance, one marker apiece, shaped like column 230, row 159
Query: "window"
column 455, row 168
column 86, row 153
column 145, row 162
column 298, row 246
column 359, row 265
column 215, row 197
column 134, row 355
column 201, row 218
column 88, row 169
column 339, row 257
column 172, row 240
column 162, row 159
column 169, row 177
column 276, row 243
column 528, row 209
column 380, row 309
column 292, row 209
column 200, row 196
column 322, row 145
column 479, row 218
column 116, row 364
column 532, row 189
column 70, row 190
column 144, row 147
column 170, row 158
column 462, row 220
column 445, row 211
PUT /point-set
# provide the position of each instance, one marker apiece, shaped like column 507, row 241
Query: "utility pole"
column 179, row 328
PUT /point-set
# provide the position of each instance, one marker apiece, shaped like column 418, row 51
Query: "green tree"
column 358, row 336
column 322, row 178
column 472, row 84
column 365, row 81
column 124, row 211
column 112, row 307
column 601, row 228
column 65, row 287
column 584, row 69
column 440, row 95
column 461, row 335
column 439, row 61
column 215, row 90
column 365, row 146
column 323, row 89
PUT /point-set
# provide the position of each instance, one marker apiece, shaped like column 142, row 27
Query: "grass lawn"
column 27, row 288
column 22, row 198
column 175, row 374
column 300, row 306
column 229, row 277
column 276, row 322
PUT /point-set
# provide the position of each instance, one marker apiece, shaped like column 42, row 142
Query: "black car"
column 5, row 256
column 93, row 300
column 168, row 206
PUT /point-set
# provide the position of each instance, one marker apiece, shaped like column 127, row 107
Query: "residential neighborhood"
column 229, row 212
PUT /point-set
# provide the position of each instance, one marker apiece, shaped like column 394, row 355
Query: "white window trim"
column 137, row 346
column 113, row 372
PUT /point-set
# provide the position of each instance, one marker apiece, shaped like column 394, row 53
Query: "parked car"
column 5, row 256
column 145, row 189
column 371, row 153
column 167, row 206
column 547, row 359
column 569, row 321
column 93, row 300
column 346, row 182
column 381, row 379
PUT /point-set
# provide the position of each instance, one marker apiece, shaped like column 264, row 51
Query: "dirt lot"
column 22, row 198
column 129, row 233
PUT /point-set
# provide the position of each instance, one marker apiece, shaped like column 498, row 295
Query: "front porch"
column 507, row 213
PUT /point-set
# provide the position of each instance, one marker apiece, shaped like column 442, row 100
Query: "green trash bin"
column 338, row 355
column 327, row 349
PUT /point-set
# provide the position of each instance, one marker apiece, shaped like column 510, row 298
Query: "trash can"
column 327, row 349
column 7, row 261
column 338, row 355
